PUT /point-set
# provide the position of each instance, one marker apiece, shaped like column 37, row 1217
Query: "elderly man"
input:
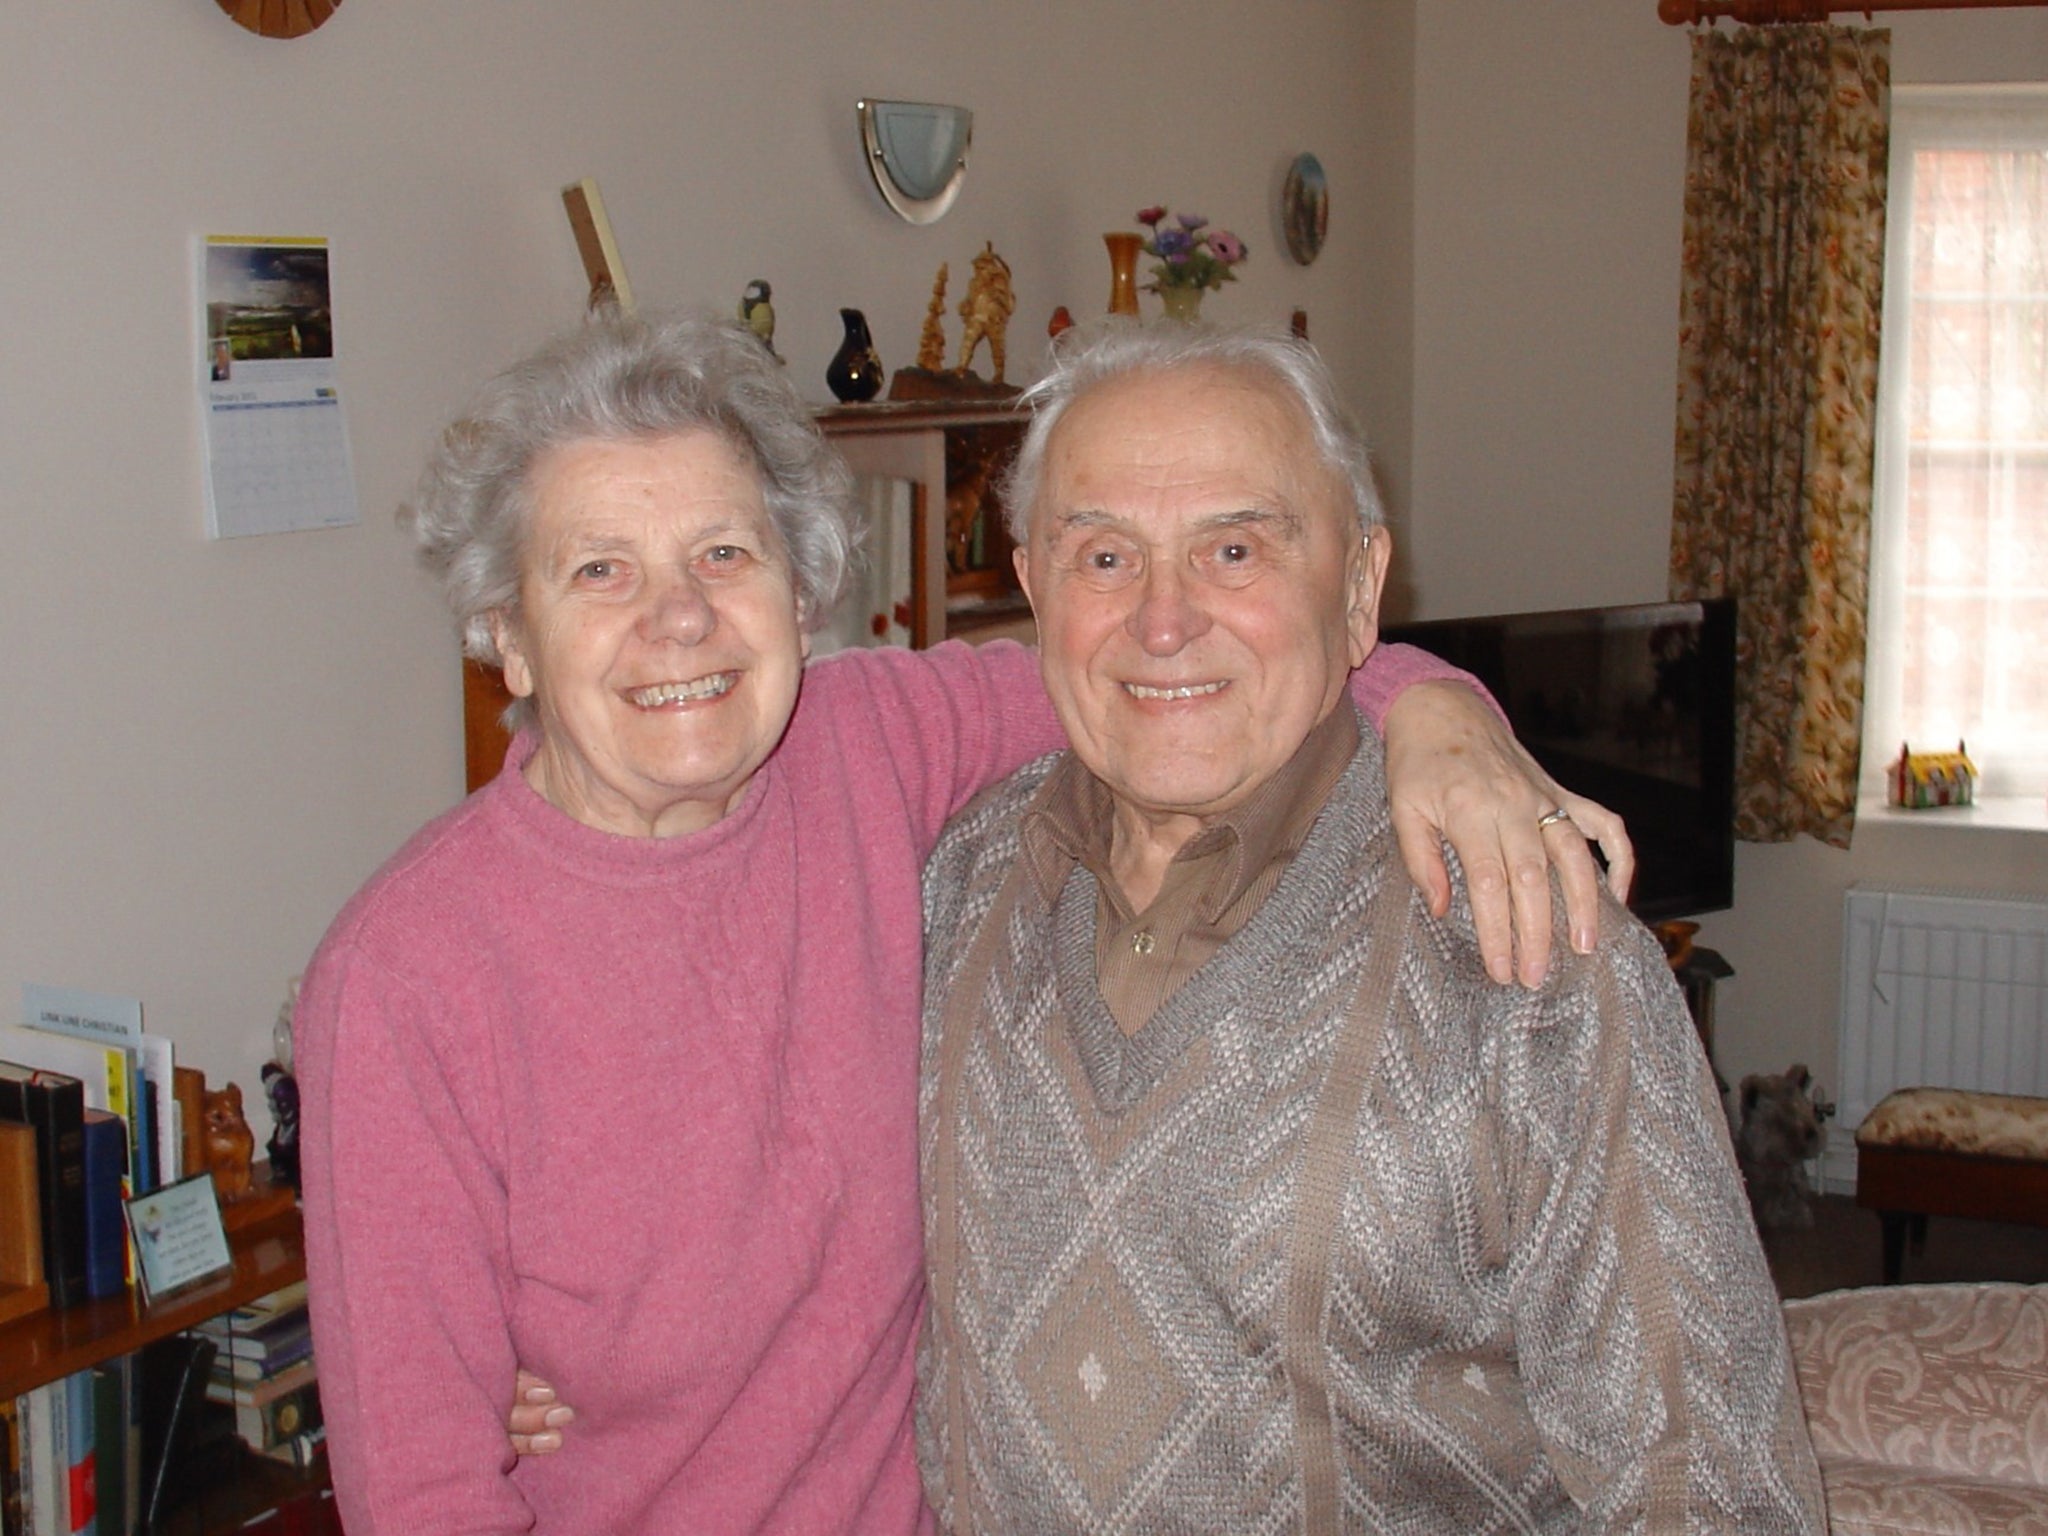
column 1251, row 1204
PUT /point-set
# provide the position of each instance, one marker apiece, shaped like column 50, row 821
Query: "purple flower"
column 1173, row 244
column 1192, row 222
column 1150, row 217
column 1226, row 247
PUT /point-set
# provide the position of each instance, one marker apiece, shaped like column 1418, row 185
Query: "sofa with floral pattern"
column 1928, row 1406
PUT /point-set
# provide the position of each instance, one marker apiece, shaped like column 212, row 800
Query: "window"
column 1958, row 635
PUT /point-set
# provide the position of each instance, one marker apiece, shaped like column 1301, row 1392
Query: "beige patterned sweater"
column 1346, row 1238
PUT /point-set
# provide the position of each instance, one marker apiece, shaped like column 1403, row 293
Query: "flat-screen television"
column 1633, row 706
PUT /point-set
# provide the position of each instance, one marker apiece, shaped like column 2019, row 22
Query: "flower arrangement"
column 1190, row 254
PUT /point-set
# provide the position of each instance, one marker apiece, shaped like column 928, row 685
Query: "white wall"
column 204, row 747
column 1549, row 182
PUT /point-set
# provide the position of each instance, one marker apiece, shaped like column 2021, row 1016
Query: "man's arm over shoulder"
column 1652, row 1345
column 945, row 722
column 958, row 718
column 975, row 713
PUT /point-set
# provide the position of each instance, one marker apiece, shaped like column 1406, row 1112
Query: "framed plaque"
column 178, row 1236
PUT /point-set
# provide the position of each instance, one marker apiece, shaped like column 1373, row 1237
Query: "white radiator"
column 1939, row 990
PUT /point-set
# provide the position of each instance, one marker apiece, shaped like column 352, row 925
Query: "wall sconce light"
column 917, row 153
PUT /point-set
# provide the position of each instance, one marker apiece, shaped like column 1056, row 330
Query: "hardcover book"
column 112, row 1443
column 13, row 1508
column 106, row 1224
column 140, row 1061
column 234, row 1369
column 280, row 1340
column 81, row 1471
column 45, row 1458
column 254, row 1313
column 103, row 1069
column 223, row 1387
column 22, row 1287
column 53, row 1105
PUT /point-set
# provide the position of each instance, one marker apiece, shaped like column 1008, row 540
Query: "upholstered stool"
column 1948, row 1152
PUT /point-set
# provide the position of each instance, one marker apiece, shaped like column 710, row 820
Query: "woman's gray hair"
column 1101, row 350
column 621, row 378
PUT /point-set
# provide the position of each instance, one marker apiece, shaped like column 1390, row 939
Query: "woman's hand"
column 535, row 1423
column 1455, row 772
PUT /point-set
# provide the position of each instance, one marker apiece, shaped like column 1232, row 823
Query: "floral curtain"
column 1777, row 397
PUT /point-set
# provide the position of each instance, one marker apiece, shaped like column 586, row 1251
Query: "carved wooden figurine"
column 986, row 309
column 931, row 341
column 230, row 1145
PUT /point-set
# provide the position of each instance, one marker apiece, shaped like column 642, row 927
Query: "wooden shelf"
column 50, row 1344
column 951, row 452
column 911, row 415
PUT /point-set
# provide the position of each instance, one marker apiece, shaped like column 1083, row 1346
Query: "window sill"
column 2015, row 813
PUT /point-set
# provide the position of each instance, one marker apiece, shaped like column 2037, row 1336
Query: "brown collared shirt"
column 1218, row 879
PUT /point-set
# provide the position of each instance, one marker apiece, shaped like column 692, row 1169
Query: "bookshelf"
column 50, row 1344
column 951, row 451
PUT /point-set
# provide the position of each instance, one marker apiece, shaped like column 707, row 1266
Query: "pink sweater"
column 641, row 1115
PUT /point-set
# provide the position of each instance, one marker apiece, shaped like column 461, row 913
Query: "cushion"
column 1954, row 1120
column 1928, row 1406
column 1868, row 1498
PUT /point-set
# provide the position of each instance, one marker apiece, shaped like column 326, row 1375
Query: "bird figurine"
column 758, row 314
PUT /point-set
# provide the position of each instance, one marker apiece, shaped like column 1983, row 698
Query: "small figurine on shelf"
column 283, row 1091
column 759, row 314
column 281, row 1088
column 1919, row 781
column 855, row 372
column 986, row 309
column 931, row 341
column 230, row 1145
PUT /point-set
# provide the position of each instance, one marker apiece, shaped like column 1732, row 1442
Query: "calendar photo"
column 277, row 456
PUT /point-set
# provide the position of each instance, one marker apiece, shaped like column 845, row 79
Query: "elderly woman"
column 610, row 1071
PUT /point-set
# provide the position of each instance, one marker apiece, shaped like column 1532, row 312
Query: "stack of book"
column 89, row 1115
column 69, row 1461
column 263, row 1372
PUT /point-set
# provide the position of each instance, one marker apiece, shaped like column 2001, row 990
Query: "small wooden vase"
column 1123, row 271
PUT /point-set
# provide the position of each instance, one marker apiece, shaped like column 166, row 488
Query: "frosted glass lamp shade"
column 917, row 153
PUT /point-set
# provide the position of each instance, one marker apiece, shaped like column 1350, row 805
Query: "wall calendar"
column 276, row 439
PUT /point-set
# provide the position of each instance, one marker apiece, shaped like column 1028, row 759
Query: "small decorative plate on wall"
column 1305, row 208
column 279, row 18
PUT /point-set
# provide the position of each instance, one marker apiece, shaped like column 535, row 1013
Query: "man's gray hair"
column 1100, row 351
column 617, row 378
